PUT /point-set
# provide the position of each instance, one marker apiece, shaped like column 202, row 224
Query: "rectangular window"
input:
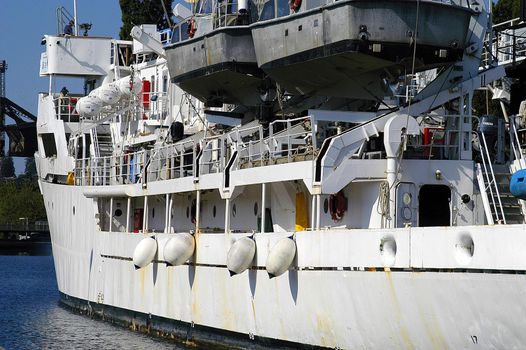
column 50, row 147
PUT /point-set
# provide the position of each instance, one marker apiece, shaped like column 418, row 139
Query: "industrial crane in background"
column 21, row 133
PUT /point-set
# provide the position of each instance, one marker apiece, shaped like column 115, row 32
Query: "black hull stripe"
column 353, row 268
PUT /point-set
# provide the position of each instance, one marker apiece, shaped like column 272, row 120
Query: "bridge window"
column 50, row 147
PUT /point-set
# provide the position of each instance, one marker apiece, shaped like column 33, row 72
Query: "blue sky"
column 22, row 25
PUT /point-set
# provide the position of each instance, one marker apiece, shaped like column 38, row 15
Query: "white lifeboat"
column 281, row 256
column 89, row 105
column 144, row 252
column 240, row 255
column 179, row 249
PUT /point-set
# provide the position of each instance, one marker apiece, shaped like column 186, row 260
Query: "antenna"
column 3, row 68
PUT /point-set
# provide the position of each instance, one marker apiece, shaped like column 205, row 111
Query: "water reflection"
column 32, row 319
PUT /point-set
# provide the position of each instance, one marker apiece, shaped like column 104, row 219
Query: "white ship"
column 374, row 218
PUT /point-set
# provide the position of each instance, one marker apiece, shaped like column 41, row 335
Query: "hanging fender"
column 337, row 205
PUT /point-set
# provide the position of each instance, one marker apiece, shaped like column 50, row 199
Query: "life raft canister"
column 192, row 28
column 337, row 205
column 295, row 5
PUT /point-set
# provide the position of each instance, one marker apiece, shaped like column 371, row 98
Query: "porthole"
column 214, row 211
column 234, row 210
column 406, row 198
column 118, row 212
column 256, row 208
column 326, row 205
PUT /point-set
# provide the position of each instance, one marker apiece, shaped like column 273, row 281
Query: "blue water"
column 31, row 318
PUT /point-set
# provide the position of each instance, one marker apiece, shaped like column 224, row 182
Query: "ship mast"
column 75, row 17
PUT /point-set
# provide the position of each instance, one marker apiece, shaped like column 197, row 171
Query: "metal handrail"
column 492, row 180
column 62, row 14
column 515, row 142
column 504, row 44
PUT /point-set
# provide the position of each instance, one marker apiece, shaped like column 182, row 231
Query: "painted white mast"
column 75, row 17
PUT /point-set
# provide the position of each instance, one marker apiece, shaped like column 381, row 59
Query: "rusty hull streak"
column 397, row 311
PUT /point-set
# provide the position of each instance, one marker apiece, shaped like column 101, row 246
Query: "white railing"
column 441, row 139
column 169, row 162
column 156, row 107
column 65, row 108
column 506, row 44
column 491, row 184
column 515, row 142
column 111, row 170
column 172, row 161
column 286, row 140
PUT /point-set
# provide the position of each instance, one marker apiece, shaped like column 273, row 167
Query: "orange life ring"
column 295, row 5
column 337, row 205
column 192, row 28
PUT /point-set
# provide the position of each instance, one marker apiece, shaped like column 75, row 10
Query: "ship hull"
column 456, row 287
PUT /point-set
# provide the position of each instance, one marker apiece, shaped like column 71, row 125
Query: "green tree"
column 31, row 168
column 19, row 200
column 136, row 12
column 7, row 168
column 505, row 10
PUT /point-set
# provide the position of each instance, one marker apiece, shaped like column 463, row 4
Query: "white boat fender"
column 240, row 255
column 179, row 249
column 281, row 257
column 144, row 252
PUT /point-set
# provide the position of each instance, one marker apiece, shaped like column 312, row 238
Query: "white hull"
column 435, row 295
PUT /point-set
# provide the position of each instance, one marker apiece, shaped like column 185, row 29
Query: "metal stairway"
column 105, row 145
column 510, row 205
column 500, row 206
column 102, row 141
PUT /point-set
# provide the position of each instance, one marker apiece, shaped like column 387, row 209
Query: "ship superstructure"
column 312, row 177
